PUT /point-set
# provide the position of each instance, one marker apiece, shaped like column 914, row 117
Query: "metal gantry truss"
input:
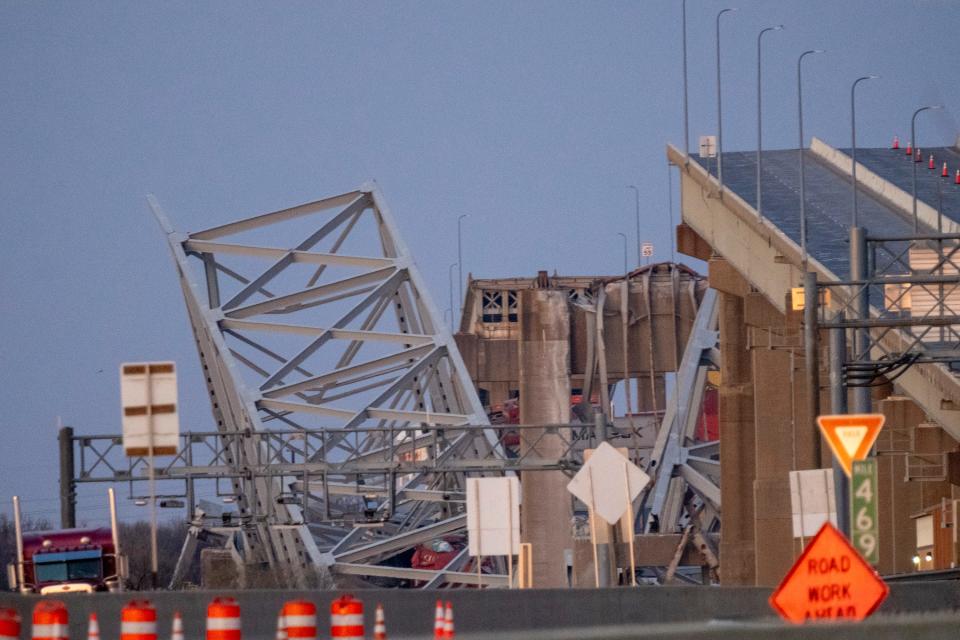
column 907, row 310
column 316, row 316
column 352, row 541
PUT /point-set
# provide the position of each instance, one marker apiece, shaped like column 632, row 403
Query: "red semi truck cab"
column 70, row 560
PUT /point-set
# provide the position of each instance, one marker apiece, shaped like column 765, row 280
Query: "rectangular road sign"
column 493, row 516
column 811, row 501
column 864, row 528
column 148, row 395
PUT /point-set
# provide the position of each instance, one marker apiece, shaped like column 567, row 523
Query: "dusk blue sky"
column 531, row 117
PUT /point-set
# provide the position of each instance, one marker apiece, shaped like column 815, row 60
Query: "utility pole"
column 68, row 494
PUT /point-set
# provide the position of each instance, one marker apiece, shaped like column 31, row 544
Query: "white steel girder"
column 334, row 328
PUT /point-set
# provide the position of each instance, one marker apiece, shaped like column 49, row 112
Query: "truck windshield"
column 73, row 565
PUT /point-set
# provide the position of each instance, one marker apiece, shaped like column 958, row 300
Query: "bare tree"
column 8, row 542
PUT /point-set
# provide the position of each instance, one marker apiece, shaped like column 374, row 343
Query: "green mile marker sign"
column 864, row 529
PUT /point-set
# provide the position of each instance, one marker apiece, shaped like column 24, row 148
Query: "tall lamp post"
column 853, row 142
column 450, row 283
column 636, row 193
column 719, row 107
column 803, row 198
column 913, row 145
column 760, row 119
column 624, row 236
column 460, row 259
column 686, row 118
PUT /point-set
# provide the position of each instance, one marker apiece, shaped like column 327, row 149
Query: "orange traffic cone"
column 448, row 621
column 896, row 142
column 918, row 156
column 943, row 172
column 931, row 165
column 438, row 621
column 176, row 633
column 93, row 628
column 379, row 624
column 956, row 180
column 909, row 151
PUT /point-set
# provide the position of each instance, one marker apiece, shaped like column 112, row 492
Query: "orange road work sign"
column 850, row 436
column 829, row 581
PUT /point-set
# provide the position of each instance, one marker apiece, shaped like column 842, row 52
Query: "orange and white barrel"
column 138, row 621
column 176, row 633
column 299, row 620
column 438, row 621
column 93, row 627
column 50, row 620
column 448, row 621
column 9, row 624
column 223, row 619
column 379, row 624
column 346, row 618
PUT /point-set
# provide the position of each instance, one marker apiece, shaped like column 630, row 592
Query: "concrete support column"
column 545, row 398
column 736, row 442
column 786, row 438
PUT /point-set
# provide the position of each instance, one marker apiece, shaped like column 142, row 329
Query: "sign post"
column 151, row 425
column 863, row 510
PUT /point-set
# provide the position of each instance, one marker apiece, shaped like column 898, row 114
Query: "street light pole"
column 450, row 283
column 719, row 107
column 913, row 146
column 760, row 119
column 460, row 259
column 636, row 193
column 853, row 142
column 624, row 236
column 803, row 204
column 686, row 118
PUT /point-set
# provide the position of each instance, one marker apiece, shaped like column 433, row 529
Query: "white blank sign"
column 493, row 516
column 602, row 483
column 812, row 501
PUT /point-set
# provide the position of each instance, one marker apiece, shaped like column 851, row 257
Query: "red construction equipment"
column 438, row 621
column 93, row 628
column 9, row 624
column 448, row 621
column 299, row 620
column 223, row 619
column 138, row 621
column 346, row 618
column 379, row 624
column 50, row 620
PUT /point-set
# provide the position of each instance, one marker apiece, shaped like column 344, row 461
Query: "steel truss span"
column 316, row 317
